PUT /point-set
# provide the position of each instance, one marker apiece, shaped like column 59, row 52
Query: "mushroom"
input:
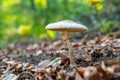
column 66, row 26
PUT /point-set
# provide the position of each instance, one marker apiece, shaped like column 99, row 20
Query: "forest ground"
column 96, row 54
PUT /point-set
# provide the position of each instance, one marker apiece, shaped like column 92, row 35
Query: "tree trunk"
column 32, row 4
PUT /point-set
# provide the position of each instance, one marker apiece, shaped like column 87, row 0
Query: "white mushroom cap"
column 66, row 25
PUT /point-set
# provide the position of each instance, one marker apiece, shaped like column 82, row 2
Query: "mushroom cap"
column 66, row 25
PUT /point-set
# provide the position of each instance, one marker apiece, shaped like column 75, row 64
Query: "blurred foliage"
column 106, row 25
column 19, row 18
column 24, row 30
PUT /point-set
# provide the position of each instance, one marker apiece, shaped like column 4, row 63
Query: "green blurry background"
column 28, row 18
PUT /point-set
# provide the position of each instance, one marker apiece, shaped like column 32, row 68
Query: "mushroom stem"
column 66, row 37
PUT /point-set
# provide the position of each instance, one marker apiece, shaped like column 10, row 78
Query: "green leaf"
column 51, row 34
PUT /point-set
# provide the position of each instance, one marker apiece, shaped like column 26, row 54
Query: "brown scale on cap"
column 66, row 26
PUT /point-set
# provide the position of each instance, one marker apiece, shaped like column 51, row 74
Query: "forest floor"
column 96, row 54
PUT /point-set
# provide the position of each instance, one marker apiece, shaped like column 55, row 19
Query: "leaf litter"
column 97, row 57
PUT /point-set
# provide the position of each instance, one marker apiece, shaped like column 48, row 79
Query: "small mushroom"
column 66, row 26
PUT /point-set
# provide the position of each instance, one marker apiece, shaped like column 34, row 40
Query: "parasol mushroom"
column 66, row 26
